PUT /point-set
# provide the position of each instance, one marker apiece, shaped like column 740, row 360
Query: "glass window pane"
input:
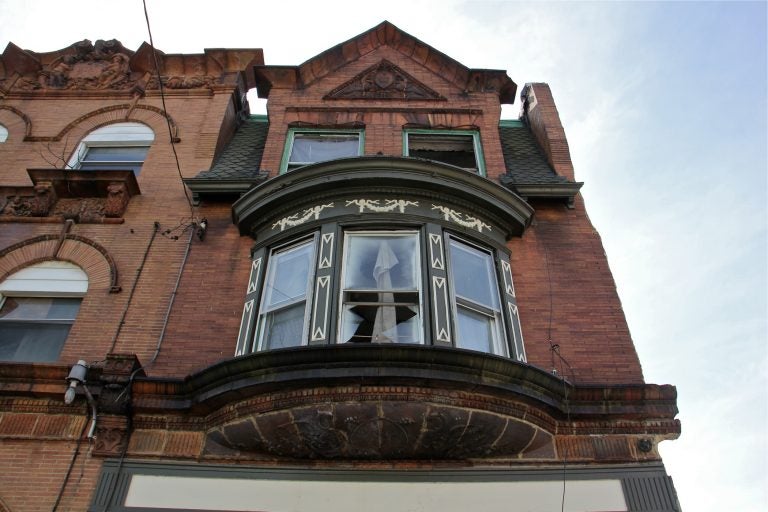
column 116, row 153
column 320, row 147
column 381, row 262
column 288, row 276
column 39, row 308
column 283, row 328
column 458, row 150
column 473, row 275
column 381, row 324
column 475, row 330
column 29, row 342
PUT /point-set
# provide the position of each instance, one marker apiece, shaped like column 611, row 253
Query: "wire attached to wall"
column 165, row 112
column 554, row 350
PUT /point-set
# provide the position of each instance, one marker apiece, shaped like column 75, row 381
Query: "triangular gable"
column 383, row 81
column 384, row 34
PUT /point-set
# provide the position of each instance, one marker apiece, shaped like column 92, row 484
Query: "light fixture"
column 76, row 377
column 202, row 228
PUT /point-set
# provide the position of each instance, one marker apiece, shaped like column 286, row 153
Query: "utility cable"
column 165, row 111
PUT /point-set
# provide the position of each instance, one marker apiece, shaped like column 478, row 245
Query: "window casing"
column 461, row 148
column 381, row 288
column 308, row 146
column 38, row 306
column 115, row 147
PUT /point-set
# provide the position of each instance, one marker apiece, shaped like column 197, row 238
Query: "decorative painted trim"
column 326, row 251
column 517, row 334
column 245, row 327
column 306, row 215
column 442, row 325
column 389, row 205
column 320, row 332
column 253, row 279
column 506, row 271
column 437, row 258
column 462, row 219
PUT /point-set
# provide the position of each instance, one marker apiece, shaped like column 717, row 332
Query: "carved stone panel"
column 384, row 81
column 375, row 430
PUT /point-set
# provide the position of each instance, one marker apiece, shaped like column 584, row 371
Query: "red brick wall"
column 198, row 120
column 562, row 279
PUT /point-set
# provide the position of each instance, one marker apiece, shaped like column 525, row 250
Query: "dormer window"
column 304, row 147
column 455, row 147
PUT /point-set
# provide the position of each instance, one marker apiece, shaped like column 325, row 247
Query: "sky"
column 664, row 106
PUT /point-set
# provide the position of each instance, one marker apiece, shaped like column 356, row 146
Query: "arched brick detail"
column 83, row 252
column 153, row 117
column 16, row 121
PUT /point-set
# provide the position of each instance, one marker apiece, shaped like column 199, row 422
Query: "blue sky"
column 664, row 105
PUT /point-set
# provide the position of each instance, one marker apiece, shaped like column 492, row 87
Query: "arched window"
column 3, row 133
column 118, row 147
column 38, row 306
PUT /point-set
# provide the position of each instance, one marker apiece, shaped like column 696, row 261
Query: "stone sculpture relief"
column 384, row 81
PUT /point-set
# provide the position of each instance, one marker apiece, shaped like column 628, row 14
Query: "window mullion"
column 251, row 306
column 509, row 305
column 324, row 286
column 439, row 296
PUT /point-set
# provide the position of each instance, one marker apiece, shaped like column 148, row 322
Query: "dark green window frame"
column 285, row 163
column 476, row 143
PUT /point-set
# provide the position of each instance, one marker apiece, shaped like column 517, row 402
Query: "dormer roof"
column 384, row 34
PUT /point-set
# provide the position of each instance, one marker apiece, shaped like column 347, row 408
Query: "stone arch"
column 92, row 257
column 17, row 122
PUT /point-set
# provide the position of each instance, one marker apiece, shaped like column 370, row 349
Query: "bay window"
column 390, row 287
column 381, row 250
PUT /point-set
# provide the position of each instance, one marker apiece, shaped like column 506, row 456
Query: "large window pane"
column 34, row 329
column 475, row 330
column 288, row 276
column 284, row 327
column 381, row 262
column 310, row 148
column 116, row 153
column 381, row 299
column 475, row 280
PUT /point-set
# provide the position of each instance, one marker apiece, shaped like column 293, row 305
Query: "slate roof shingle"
column 523, row 158
column 241, row 158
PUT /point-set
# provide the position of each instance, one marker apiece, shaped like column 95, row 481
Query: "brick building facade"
column 377, row 295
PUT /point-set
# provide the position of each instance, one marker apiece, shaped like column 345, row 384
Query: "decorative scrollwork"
column 462, row 219
column 296, row 220
column 375, row 206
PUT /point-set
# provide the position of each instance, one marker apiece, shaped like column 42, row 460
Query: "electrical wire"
column 155, row 229
column 71, row 465
column 165, row 111
column 554, row 350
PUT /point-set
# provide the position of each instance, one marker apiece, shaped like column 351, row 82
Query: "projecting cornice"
column 409, row 188
column 86, row 68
